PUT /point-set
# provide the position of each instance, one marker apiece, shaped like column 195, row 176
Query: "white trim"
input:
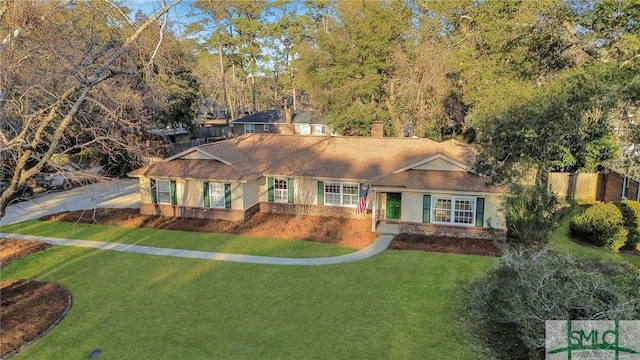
column 430, row 191
column 624, row 188
column 284, row 193
column 452, row 210
column 251, row 126
column 341, row 194
column 220, row 205
column 166, row 182
column 266, row 127
column 196, row 149
column 431, row 158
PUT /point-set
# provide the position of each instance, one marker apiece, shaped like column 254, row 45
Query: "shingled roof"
column 359, row 159
column 278, row 117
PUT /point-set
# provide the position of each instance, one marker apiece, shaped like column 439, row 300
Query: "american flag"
column 362, row 205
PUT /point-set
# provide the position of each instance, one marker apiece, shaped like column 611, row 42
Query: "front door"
column 393, row 205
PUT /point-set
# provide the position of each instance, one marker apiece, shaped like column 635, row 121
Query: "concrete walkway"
column 380, row 244
column 126, row 194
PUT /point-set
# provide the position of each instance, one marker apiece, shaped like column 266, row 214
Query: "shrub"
column 504, row 312
column 530, row 213
column 601, row 225
column 631, row 213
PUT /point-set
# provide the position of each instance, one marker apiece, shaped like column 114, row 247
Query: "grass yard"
column 562, row 241
column 189, row 240
column 396, row 305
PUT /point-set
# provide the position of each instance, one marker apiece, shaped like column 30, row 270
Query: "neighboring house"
column 621, row 184
column 171, row 136
column 424, row 186
column 281, row 122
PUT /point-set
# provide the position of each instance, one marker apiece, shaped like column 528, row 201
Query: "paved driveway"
column 112, row 193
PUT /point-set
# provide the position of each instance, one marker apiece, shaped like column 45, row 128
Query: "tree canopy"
column 536, row 84
column 72, row 79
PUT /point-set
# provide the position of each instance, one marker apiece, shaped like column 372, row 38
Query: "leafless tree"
column 70, row 75
column 305, row 194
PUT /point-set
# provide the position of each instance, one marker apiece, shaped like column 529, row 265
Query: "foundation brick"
column 452, row 231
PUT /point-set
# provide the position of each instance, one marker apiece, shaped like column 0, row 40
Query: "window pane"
column 442, row 209
column 332, row 193
column 163, row 185
column 216, row 195
column 350, row 194
column 442, row 215
column 280, row 190
column 163, row 191
column 464, row 211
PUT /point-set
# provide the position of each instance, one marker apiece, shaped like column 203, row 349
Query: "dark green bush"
column 631, row 213
column 504, row 312
column 530, row 213
column 601, row 225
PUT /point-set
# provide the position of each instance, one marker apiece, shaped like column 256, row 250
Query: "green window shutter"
column 479, row 212
column 426, row 209
column 320, row 192
column 270, row 190
column 227, row 196
column 154, row 195
column 290, row 190
column 361, row 190
column 207, row 199
column 174, row 198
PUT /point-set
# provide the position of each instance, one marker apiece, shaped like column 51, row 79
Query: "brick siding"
column 613, row 187
column 197, row 212
column 312, row 210
column 315, row 210
column 452, row 231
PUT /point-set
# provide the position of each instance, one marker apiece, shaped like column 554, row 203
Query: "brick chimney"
column 377, row 129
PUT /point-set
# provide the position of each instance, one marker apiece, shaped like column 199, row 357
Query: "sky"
column 178, row 15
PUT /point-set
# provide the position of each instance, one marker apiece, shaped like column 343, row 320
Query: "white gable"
column 439, row 164
column 196, row 154
column 436, row 162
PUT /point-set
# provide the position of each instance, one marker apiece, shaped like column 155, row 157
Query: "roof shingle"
column 348, row 158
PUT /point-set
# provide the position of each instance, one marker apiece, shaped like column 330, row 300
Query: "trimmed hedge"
column 631, row 213
column 601, row 225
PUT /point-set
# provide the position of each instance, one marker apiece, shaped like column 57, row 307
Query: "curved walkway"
column 380, row 244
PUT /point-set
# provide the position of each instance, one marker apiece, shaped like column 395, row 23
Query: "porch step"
column 388, row 228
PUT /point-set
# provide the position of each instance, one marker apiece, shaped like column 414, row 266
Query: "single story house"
column 284, row 121
column 422, row 185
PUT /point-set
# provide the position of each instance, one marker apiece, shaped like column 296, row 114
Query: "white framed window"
column 453, row 210
column 320, row 129
column 163, row 191
column 216, row 195
column 249, row 128
column 341, row 194
column 265, row 127
column 281, row 192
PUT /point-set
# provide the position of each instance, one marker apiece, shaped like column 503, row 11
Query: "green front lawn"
column 188, row 240
column 395, row 305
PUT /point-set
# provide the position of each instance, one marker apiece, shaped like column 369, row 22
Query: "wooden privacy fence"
column 209, row 132
column 579, row 186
